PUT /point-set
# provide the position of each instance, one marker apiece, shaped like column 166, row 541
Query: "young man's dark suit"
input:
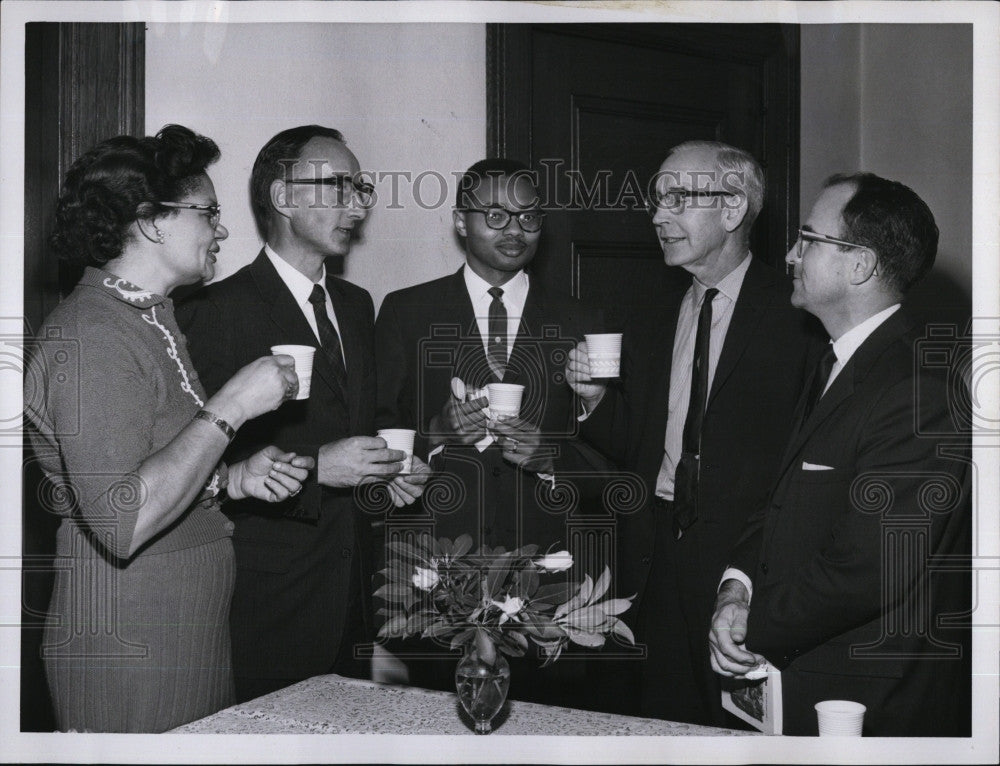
column 478, row 493
column 303, row 568
column 818, row 551
column 766, row 356
column 414, row 374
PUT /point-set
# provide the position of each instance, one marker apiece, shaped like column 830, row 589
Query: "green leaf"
column 396, row 626
column 485, row 648
column 601, row 586
column 394, row 593
column 621, row 629
column 615, row 605
column 579, row 599
column 463, row 544
column 589, row 618
column 584, row 638
column 463, row 637
column 555, row 593
column 405, row 551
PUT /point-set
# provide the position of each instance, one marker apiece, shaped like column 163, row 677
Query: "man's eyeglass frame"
column 362, row 192
column 515, row 214
column 657, row 203
column 806, row 235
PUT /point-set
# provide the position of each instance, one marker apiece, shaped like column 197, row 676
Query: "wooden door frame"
column 508, row 103
column 84, row 82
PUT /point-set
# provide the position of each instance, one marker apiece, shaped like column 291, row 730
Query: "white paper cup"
column 303, row 356
column 401, row 439
column 604, row 353
column 840, row 718
column 505, row 399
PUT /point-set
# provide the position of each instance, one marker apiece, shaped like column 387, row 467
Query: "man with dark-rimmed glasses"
column 708, row 388
column 303, row 571
column 439, row 344
column 838, row 580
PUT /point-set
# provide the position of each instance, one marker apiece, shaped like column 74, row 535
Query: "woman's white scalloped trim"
column 133, row 296
column 172, row 353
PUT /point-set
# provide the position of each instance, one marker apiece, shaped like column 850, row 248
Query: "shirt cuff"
column 736, row 574
column 549, row 477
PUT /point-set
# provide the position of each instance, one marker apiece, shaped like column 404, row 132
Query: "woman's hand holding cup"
column 255, row 389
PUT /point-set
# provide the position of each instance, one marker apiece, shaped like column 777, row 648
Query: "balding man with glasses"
column 301, row 604
column 853, row 579
column 702, row 410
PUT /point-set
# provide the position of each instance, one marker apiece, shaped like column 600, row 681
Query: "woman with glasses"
column 137, row 636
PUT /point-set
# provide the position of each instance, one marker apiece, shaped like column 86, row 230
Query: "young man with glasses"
column 833, row 581
column 303, row 572
column 705, row 403
column 439, row 343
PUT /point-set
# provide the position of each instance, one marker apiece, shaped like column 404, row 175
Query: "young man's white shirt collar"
column 301, row 287
column 515, row 293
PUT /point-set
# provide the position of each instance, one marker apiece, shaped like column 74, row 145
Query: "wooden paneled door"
column 83, row 83
column 594, row 108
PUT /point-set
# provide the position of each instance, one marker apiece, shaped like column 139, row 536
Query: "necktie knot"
column 496, row 292
column 318, row 295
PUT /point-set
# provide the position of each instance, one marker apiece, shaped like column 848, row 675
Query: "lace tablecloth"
column 336, row 705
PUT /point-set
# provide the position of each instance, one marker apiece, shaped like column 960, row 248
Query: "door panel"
column 596, row 107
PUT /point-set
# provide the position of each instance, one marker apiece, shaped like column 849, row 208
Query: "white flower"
column 510, row 606
column 555, row 562
column 425, row 579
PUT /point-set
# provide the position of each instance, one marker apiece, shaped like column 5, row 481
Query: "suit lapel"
column 471, row 364
column 842, row 388
column 280, row 306
column 664, row 328
column 286, row 314
column 755, row 296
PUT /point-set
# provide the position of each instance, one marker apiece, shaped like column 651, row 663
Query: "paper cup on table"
column 303, row 356
column 840, row 718
column 604, row 353
column 401, row 439
column 505, row 399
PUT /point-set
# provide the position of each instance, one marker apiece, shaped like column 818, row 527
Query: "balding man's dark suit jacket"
column 862, row 550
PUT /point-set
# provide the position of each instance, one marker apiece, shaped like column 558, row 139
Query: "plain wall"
column 896, row 100
column 407, row 97
column 892, row 99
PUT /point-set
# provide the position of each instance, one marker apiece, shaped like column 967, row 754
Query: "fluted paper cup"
column 604, row 352
column 505, row 399
column 401, row 439
column 840, row 718
column 303, row 356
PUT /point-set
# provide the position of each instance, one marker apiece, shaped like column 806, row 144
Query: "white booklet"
column 756, row 700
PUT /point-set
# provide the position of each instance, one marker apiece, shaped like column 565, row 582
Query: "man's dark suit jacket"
column 766, row 356
column 840, row 558
column 303, row 572
column 427, row 334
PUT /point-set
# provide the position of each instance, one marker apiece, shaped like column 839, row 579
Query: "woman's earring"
column 159, row 236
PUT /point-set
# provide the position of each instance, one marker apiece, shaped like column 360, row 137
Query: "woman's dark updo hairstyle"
column 119, row 181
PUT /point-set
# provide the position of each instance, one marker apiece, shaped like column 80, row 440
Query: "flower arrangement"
column 494, row 600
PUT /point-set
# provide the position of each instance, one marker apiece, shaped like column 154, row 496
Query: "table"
column 333, row 704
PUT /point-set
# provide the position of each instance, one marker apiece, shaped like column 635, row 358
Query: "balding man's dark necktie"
column 820, row 377
column 686, row 475
column 328, row 337
column 496, row 344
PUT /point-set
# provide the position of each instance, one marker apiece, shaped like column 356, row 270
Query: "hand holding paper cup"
column 840, row 718
column 505, row 399
column 604, row 351
column 401, row 439
column 303, row 356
